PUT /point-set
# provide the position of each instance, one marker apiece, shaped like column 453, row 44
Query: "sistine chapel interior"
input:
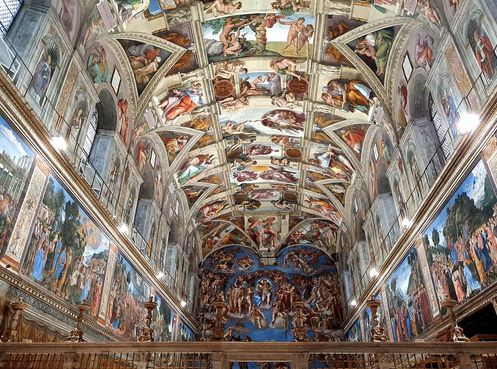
column 291, row 175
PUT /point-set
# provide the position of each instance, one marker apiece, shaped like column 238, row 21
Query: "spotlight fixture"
column 123, row 228
column 183, row 303
column 373, row 273
column 59, row 143
column 353, row 303
column 406, row 223
column 160, row 275
column 468, row 123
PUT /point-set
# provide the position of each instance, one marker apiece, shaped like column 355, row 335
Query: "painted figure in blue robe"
column 39, row 262
column 42, row 77
column 453, row 251
column 58, row 248
column 486, row 259
column 471, row 282
column 86, row 289
column 61, row 262
column 451, row 113
column 97, row 66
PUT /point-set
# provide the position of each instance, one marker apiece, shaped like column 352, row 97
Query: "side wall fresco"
column 458, row 250
column 50, row 240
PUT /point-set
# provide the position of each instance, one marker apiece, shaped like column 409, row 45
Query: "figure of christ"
column 223, row 7
column 296, row 27
column 267, row 290
column 304, row 37
column 229, row 25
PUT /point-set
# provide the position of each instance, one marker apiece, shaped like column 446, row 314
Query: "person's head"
column 49, row 59
column 232, row 36
column 301, row 20
column 243, row 71
column 275, row 5
column 239, row 5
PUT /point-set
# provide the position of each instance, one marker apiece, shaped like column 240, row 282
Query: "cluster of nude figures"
column 265, row 299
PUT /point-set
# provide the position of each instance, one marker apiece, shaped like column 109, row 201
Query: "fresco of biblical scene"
column 431, row 10
column 449, row 98
column 67, row 253
column 339, row 190
column 348, row 95
column 97, row 65
column 145, row 61
column 259, row 297
column 185, row 333
column 202, row 123
column 174, row 143
column 195, row 166
column 181, row 100
column 246, row 123
column 461, row 243
column 258, row 35
column 481, row 46
column 374, row 49
column 193, row 193
column 132, row 9
column 401, row 102
column 69, row 16
column 265, row 174
column 408, row 302
column 93, row 28
column 265, row 199
column 126, row 313
column 264, row 230
column 316, row 174
column 317, row 232
column 156, row 7
column 223, row 234
column 162, row 321
column 211, row 210
column 16, row 160
column 331, row 162
column 215, row 179
column 44, row 71
column 354, row 136
column 323, row 206
column 337, row 25
column 355, row 333
column 321, row 121
column 181, row 35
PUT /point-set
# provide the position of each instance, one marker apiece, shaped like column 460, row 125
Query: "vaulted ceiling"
column 274, row 119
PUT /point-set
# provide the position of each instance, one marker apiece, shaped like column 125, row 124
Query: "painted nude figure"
column 296, row 27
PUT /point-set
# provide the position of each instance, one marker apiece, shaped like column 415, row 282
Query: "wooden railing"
column 222, row 355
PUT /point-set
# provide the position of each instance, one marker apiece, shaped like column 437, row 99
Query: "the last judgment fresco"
column 259, row 297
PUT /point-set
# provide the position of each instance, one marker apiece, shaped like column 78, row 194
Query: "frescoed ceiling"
column 263, row 108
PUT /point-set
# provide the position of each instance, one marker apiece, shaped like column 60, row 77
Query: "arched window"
column 8, row 11
column 437, row 123
column 91, row 133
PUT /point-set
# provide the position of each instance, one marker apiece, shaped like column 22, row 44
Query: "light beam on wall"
column 468, row 123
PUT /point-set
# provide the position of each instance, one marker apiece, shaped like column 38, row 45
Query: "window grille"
column 8, row 11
